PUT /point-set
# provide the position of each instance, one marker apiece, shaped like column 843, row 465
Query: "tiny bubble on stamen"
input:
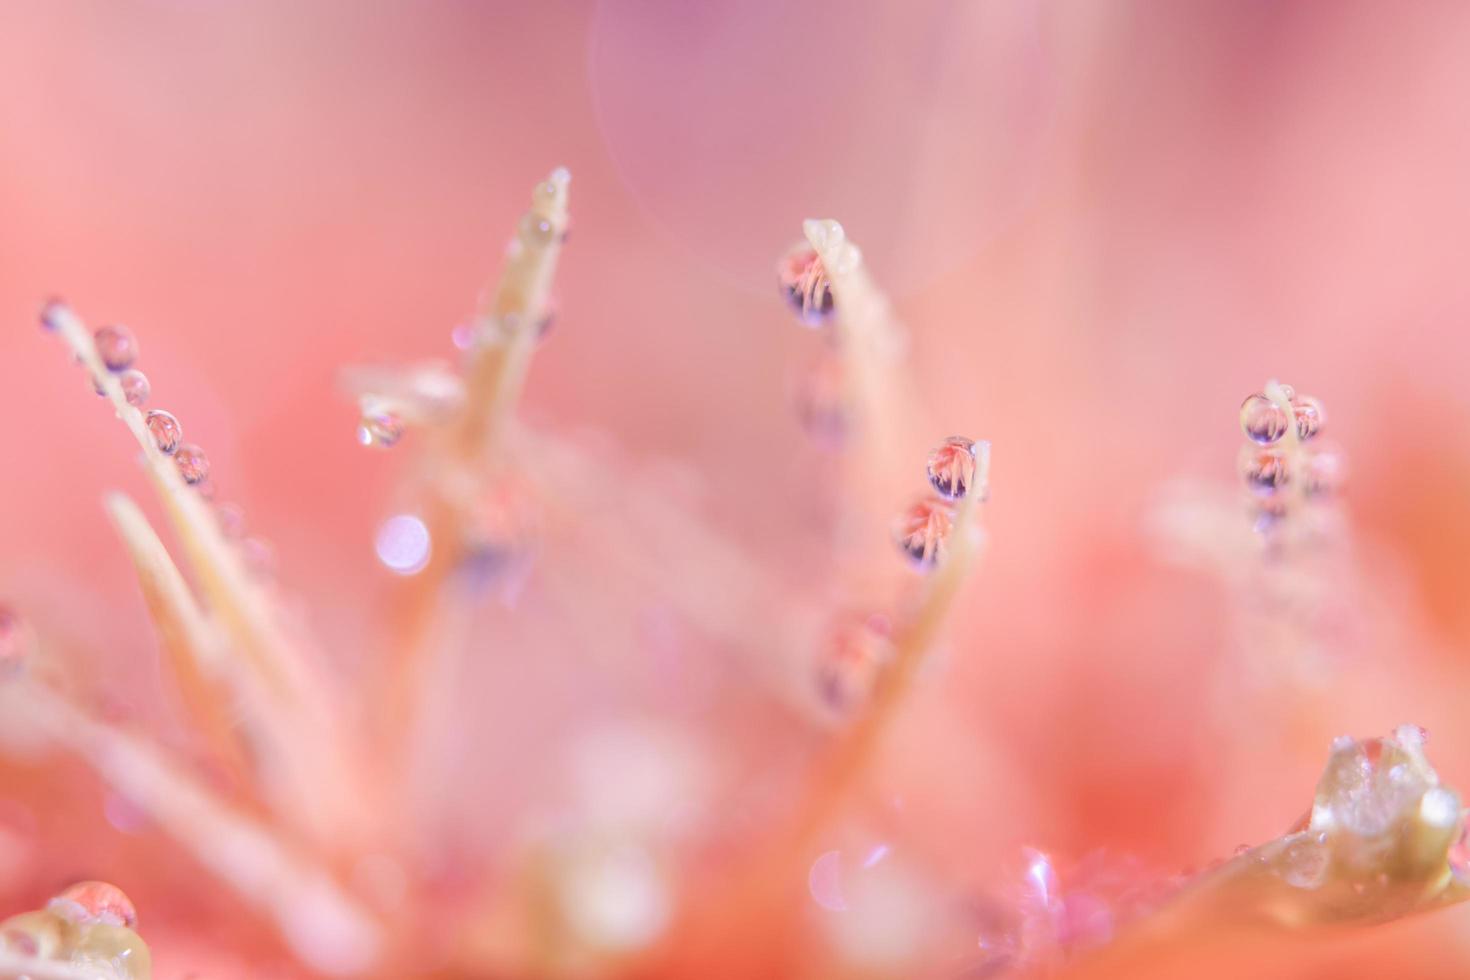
column 379, row 429
column 135, row 387
column 821, row 402
column 1265, row 470
column 193, row 464
column 921, row 531
column 51, row 313
column 166, row 430
column 854, row 653
column 1262, row 420
column 805, row 285
column 1309, row 416
column 952, row 465
column 117, row 347
column 536, row 230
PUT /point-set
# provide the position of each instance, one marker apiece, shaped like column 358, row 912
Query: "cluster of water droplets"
column 955, row 469
column 117, row 348
column 89, row 926
column 1283, row 460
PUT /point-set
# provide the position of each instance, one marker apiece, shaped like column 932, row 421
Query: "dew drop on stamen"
column 921, row 531
column 536, row 230
column 1262, row 420
column 849, row 662
column 379, row 428
column 193, row 464
column 165, row 429
column 1264, row 470
column 952, row 465
column 117, row 347
column 1309, row 416
column 135, row 387
column 821, row 401
column 51, row 314
column 805, row 285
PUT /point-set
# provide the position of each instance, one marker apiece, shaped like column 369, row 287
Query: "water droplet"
column 193, row 464
column 1262, row 420
column 922, row 529
column 805, row 285
column 89, row 902
column 16, row 642
column 403, row 544
column 206, row 488
column 1309, row 416
column 821, row 401
column 117, row 347
column 51, row 313
column 1267, row 513
column 854, row 653
column 1325, row 470
column 536, row 231
column 166, row 430
column 1265, row 470
column 231, row 517
column 380, row 428
column 1303, row 864
column 952, row 466
column 135, row 387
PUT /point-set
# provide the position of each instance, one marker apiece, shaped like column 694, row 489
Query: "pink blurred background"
column 1103, row 224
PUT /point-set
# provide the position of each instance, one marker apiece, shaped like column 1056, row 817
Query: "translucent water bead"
column 193, row 464
column 1262, row 420
column 952, row 466
column 820, row 398
column 117, row 347
column 848, row 664
column 135, row 387
column 1309, row 416
column 166, row 431
column 805, row 285
column 921, row 531
column 379, row 428
column 1265, row 470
